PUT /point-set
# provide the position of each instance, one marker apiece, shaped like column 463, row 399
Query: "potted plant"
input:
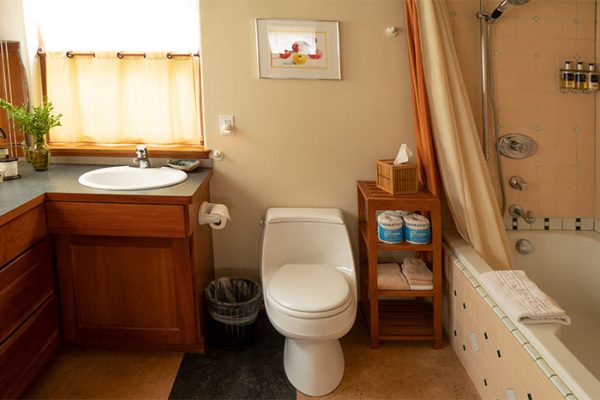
column 35, row 122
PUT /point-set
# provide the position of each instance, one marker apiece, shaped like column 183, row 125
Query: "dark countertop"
column 60, row 183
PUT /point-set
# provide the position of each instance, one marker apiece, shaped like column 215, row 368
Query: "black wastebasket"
column 233, row 305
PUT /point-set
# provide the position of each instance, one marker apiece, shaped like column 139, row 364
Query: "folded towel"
column 389, row 277
column 416, row 269
column 422, row 287
column 522, row 299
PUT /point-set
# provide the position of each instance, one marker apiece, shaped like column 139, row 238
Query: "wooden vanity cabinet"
column 132, row 275
column 29, row 328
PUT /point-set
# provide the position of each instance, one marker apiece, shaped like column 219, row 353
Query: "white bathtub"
column 566, row 265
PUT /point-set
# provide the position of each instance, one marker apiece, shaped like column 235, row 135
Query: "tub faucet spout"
column 517, row 211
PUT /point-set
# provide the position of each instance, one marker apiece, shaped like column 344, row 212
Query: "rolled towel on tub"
column 389, row 277
column 522, row 299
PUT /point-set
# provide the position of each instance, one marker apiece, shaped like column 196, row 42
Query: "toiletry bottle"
column 567, row 76
column 592, row 78
column 580, row 77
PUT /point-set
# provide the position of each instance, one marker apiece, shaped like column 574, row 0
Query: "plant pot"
column 39, row 155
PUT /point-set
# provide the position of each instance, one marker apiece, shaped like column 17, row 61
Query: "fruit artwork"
column 300, row 53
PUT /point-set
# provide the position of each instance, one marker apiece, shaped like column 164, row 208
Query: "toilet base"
column 314, row 368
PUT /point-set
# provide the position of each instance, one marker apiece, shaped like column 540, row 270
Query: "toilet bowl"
column 309, row 289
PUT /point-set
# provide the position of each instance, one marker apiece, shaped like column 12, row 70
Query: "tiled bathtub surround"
column 497, row 356
column 530, row 44
column 553, row 224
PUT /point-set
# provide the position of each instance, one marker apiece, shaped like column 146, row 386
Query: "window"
column 121, row 71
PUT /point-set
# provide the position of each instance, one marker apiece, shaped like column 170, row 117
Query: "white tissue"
column 404, row 154
column 216, row 215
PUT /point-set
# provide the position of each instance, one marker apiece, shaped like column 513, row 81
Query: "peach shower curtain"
column 468, row 187
column 423, row 139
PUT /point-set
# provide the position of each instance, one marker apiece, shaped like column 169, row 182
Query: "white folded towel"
column 389, row 277
column 522, row 299
column 416, row 269
column 428, row 286
column 417, row 274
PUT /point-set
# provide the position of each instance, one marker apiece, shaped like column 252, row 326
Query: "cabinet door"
column 127, row 291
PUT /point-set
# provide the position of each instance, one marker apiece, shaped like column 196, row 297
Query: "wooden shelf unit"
column 399, row 314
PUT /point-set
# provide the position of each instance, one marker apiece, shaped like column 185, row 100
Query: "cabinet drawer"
column 21, row 232
column 24, row 285
column 24, row 354
column 116, row 219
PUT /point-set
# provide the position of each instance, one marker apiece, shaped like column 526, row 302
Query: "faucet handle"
column 141, row 151
column 516, row 182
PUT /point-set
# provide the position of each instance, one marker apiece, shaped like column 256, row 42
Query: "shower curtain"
column 465, row 178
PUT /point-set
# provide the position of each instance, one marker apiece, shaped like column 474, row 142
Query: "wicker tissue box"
column 397, row 179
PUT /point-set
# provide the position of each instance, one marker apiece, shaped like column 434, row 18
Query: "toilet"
column 309, row 288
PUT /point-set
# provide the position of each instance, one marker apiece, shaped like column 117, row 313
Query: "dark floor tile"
column 254, row 373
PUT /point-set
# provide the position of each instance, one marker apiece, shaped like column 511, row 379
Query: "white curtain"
column 465, row 177
column 106, row 99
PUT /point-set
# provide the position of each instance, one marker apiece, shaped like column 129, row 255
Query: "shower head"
column 504, row 5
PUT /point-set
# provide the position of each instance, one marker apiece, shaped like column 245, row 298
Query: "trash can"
column 233, row 305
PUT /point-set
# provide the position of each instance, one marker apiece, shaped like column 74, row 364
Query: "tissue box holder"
column 397, row 179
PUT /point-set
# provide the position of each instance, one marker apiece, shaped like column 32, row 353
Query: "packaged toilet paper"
column 417, row 229
column 389, row 227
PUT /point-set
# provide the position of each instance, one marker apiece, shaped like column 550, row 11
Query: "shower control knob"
column 516, row 182
column 524, row 246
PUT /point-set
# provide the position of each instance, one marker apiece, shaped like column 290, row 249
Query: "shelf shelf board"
column 405, row 320
column 404, row 293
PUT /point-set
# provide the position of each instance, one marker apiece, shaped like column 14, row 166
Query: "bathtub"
column 560, row 361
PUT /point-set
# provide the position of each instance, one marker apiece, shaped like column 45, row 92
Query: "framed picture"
column 298, row 49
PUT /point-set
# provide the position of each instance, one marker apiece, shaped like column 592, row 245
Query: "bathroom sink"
column 131, row 178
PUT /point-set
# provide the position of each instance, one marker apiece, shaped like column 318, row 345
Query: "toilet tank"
column 305, row 236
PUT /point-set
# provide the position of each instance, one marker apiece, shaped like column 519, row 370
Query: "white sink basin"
column 130, row 178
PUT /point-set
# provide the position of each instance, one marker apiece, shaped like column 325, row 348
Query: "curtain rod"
column 120, row 54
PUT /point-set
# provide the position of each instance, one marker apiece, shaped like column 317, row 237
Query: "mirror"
column 13, row 88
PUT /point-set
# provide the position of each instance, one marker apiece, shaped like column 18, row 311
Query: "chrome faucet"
column 142, row 156
column 517, row 211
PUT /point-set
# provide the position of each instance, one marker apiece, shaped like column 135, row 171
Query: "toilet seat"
column 309, row 290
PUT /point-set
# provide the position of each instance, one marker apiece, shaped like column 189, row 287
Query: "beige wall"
column 299, row 143
column 530, row 44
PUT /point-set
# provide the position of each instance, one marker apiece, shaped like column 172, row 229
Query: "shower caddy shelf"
column 398, row 314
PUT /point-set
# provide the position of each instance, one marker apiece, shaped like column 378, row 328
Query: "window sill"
column 128, row 150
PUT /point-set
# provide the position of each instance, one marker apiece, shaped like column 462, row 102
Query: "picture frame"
column 298, row 49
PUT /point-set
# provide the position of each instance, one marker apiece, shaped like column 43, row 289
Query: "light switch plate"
column 226, row 125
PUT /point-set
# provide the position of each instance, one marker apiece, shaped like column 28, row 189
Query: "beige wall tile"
column 530, row 44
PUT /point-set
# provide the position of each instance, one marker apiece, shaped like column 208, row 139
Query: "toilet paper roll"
column 216, row 215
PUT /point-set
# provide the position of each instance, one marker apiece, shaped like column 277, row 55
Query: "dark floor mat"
column 254, row 373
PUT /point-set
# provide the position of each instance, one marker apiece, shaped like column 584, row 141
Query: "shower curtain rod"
column 120, row 54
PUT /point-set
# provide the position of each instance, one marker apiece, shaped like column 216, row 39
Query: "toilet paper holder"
column 205, row 217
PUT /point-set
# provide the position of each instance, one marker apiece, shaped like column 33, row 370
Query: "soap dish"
column 184, row 165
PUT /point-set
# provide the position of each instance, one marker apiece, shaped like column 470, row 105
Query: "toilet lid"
column 309, row 287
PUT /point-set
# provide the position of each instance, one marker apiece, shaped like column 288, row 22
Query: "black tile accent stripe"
column 515, row 224
column 577, row 224
column 546, row 224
